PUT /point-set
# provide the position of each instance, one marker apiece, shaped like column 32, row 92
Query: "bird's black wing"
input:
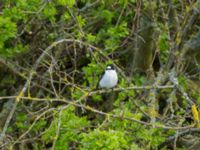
column 97, row 86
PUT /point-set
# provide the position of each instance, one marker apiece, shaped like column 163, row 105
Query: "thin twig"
column 58, row 129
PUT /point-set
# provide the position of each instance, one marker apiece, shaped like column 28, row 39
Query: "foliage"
column 8, row 31
column 103, row 140
column 52, row 54
column 70, row 128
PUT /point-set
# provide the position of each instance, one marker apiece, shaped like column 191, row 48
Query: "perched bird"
column 109, row 78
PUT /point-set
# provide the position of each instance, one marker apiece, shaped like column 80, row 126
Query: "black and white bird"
column 109, row 78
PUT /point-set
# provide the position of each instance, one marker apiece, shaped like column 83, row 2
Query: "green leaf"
column 70, row 128
column 90, row 38
column 69, row 3
column 50, row 11
column 8, row 29
column 81, row 21
column 163, row 42
column 107, row 15
column 98, row 139
column 66, row 16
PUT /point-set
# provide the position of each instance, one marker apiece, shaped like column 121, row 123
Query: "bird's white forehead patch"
column 108, row 67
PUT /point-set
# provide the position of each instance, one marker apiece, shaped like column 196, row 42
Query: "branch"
column 174, row 80
column 132, row 88
column 8, row 120
column 74, row 103
column 180, row 134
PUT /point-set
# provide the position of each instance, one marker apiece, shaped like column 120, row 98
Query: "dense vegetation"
column 52, row 54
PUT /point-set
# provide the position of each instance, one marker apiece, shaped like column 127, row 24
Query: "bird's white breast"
column 109, row 79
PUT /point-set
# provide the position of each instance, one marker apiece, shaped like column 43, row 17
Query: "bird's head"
column 110, row 67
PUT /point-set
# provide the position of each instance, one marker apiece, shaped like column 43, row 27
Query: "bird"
column 109, row 78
